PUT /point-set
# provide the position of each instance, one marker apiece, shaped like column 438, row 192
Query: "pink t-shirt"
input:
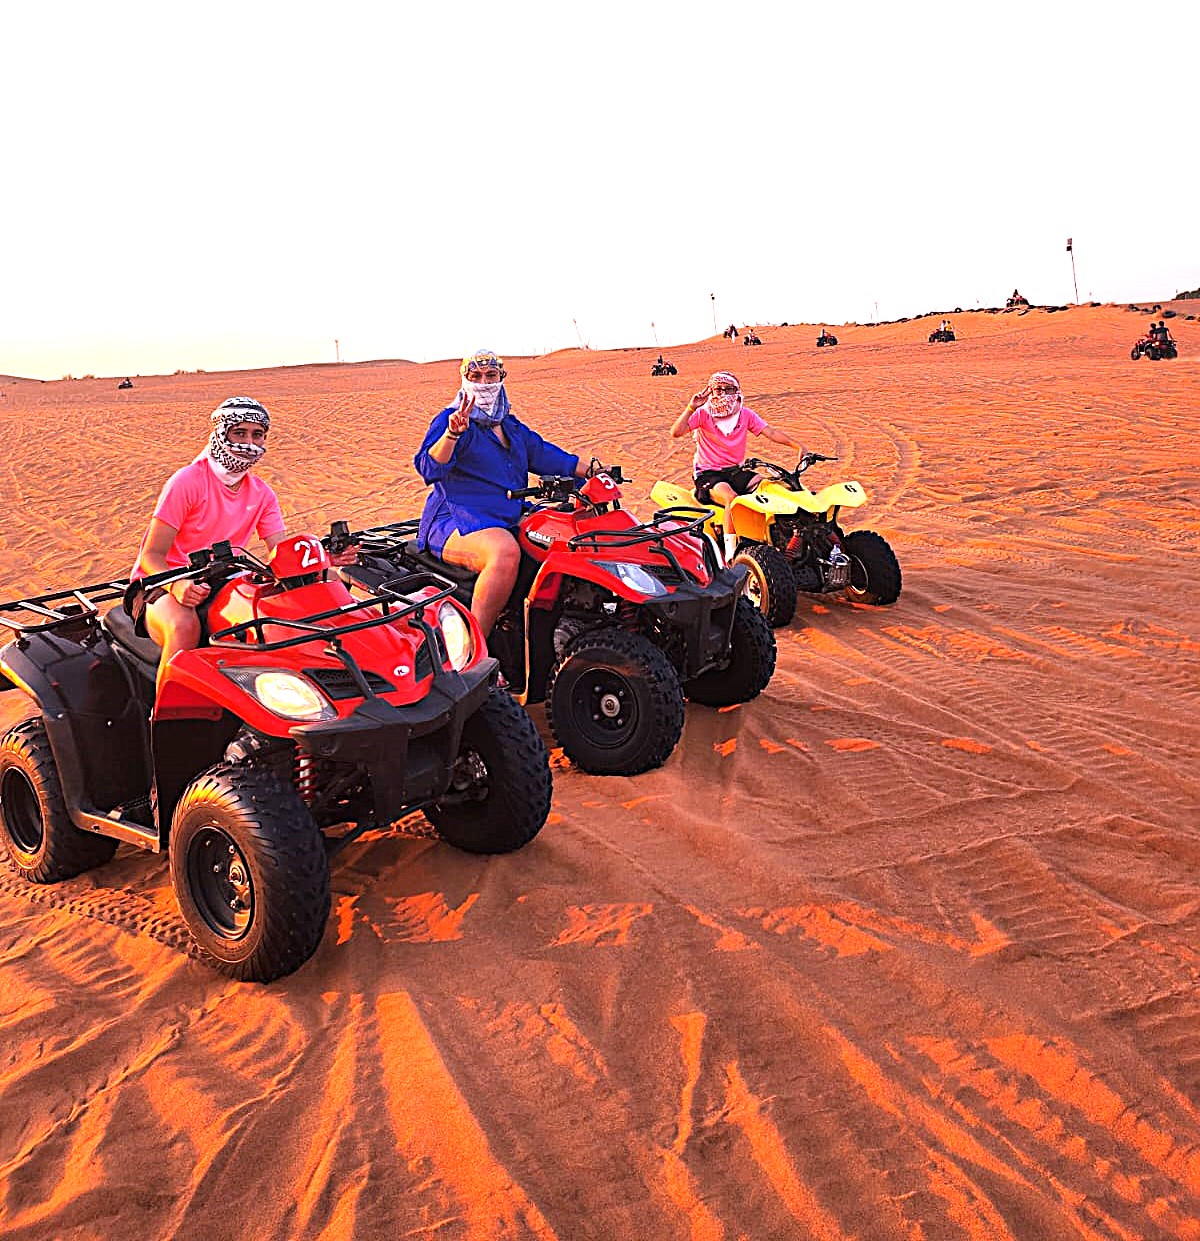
column 714, row 449
column 204, row 511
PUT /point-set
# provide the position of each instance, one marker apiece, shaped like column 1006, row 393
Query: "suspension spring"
column 306, row 777
column 627, row 614
column 795, row 545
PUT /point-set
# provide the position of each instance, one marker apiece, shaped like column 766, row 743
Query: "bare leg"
column 495, row 556
column 173, row 626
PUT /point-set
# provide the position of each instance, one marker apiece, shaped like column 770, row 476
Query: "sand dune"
column 906, row 948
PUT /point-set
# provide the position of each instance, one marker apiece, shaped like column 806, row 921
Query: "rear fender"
column 672, row 495
column 95, row 723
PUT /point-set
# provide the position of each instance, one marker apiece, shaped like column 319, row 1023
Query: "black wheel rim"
column 605, row 707
column 22, row 811
column 220, row 883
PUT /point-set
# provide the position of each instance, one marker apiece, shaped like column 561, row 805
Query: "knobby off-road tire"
column 614, row 703
column 499, row 797
column 40, row 841
column 874, row 571
column 770, row 585
column 1154, row 353
column 249, row 870
column 751, row 664
column 1135, row 353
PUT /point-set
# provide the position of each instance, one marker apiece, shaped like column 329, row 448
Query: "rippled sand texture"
column 907, row 948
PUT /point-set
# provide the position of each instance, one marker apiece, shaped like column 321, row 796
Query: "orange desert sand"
column 908, row 947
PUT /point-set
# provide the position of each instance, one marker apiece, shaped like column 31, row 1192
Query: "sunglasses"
column 724, row 390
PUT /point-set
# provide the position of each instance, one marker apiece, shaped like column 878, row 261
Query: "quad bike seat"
column 120, row 627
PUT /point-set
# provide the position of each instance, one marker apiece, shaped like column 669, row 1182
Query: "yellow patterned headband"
column 481, row 359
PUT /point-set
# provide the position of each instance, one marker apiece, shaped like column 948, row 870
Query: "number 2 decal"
column 311, row 552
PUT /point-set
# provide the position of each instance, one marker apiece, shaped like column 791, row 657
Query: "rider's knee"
column 173, row 626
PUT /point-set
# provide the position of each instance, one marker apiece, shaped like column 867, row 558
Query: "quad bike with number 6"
column 789, row 539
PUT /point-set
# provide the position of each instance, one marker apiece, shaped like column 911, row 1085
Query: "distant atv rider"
column 720, row 422
column 215, row 497
column 475, row 451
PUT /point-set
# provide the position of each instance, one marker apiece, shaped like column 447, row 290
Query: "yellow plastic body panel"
column 673, row 495
column 836, row 495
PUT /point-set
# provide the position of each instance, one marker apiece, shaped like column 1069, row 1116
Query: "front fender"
column 844, row 495
column 547, row 584
column 839, row 495
column 752, row 515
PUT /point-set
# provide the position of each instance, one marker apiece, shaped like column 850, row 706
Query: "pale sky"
column 241, row 184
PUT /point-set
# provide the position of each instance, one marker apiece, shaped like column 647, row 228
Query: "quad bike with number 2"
column 304, row 709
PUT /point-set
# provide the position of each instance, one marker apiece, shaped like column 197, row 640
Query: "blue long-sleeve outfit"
column 469, row 490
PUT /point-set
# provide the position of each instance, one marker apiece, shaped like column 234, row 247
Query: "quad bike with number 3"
column 305, row 708
column 789, row 539
column 612, row 622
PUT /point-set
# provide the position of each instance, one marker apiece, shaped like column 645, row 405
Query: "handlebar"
column 565, row 486
column 780, row 471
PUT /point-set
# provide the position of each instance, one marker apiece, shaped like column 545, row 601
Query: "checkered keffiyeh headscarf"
column 236, row 458
column 724, row 405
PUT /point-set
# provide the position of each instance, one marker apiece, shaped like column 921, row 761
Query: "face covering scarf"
column 491, row 402
column 230, row 461
column 725, row 407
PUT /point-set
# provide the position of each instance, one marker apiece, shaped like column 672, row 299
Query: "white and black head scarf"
column 230, row 461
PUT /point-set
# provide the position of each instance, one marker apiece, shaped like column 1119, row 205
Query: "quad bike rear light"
column 283, row 693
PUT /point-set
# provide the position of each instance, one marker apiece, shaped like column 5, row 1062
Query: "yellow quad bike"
column 790, row 540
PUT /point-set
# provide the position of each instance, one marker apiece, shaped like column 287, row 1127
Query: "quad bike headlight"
column 634, row 576
column 456, row 633
column 285, row 693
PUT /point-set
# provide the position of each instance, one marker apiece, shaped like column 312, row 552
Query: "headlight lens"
column 284, row 693
column 634, row 576
column 456, row 632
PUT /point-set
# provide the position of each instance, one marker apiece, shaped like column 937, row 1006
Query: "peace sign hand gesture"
column 460, row 419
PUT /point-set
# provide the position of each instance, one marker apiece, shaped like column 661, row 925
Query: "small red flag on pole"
column 1069, row 251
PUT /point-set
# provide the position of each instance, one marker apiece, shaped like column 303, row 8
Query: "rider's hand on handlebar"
column 190, row 594
column 348, row 555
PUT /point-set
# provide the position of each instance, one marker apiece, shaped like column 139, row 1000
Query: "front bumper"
column 408, row 751
column 703, row 616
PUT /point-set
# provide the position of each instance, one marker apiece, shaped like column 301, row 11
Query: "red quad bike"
column 612, row 621
column 1154, row 348
column 307, row 707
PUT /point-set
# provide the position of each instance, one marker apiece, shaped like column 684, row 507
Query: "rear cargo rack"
column 62, row 607
column 390, row 537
